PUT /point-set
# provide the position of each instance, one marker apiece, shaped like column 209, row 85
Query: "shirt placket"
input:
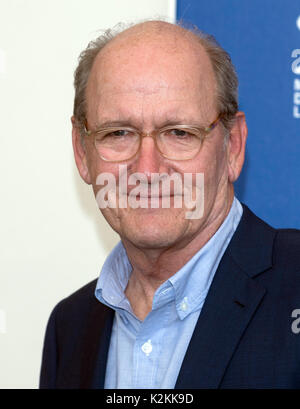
column 148, row 346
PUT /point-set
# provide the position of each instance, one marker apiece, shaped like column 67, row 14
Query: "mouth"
column 149, row 193
column 138, row 196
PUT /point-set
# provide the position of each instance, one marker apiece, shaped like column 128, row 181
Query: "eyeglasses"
column 176, row 142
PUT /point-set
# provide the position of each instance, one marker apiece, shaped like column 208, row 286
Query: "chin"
column 150, row 241
column 158, row 229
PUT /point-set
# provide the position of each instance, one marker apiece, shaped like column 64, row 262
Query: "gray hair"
column 224, row 71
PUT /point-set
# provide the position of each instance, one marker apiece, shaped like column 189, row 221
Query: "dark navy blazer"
column 243, row 337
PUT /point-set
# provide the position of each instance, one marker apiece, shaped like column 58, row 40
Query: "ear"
column 236, row 146
column 79, row 152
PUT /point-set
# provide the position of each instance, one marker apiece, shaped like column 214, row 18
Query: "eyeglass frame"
column 153, row 134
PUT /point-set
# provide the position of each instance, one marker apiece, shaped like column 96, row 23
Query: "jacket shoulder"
column 76, row 307
column 256, row 246
column 79, row 298
column 68, row 327
column 287, row 248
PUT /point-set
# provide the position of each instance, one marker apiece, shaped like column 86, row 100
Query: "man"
column 182, row 301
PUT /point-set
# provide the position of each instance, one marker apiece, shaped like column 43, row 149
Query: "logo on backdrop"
column 298, row 22
column 296, row 70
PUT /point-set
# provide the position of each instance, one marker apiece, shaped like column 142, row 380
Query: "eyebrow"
column 111, row 124
column 128, row 124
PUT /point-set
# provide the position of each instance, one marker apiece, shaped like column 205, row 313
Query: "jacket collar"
column 231, row 302
column 251, row 246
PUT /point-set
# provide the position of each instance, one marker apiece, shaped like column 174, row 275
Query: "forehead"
column 147, row 69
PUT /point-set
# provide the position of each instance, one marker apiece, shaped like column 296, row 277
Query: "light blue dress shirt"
column 149, row 353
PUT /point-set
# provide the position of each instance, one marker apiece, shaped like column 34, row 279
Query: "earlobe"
column 79, row 152
column 237, row 146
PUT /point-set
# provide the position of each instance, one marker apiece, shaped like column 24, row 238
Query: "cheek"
column 213, row 164
column 216, row 177
column 97, row 166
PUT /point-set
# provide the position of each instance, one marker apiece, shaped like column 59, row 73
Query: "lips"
column 148, row 192
column 149, row 196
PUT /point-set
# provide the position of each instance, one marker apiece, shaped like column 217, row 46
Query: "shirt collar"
column 114, row 277
column 188, row 286
column 192, row 282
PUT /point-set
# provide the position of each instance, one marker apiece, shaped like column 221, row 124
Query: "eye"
column 178, row 134
column 114, row 136
column 118, row 133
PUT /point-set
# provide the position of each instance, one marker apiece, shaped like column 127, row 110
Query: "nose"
column 149, row 159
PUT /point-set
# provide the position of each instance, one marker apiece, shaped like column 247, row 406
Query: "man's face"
column 148, row 82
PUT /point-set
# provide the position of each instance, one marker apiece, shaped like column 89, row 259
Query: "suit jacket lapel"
column 95, row 346
column 229, row 306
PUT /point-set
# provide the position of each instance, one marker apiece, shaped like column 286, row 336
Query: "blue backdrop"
column 263, row 39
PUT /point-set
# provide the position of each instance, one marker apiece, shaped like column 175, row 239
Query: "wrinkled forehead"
column 148, row 62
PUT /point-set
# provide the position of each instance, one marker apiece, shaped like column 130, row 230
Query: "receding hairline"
column 154, row 26
column 154, row 29
column 159, row 36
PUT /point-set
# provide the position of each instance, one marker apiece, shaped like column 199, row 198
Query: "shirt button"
column 184, row 304
column 147, row 347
